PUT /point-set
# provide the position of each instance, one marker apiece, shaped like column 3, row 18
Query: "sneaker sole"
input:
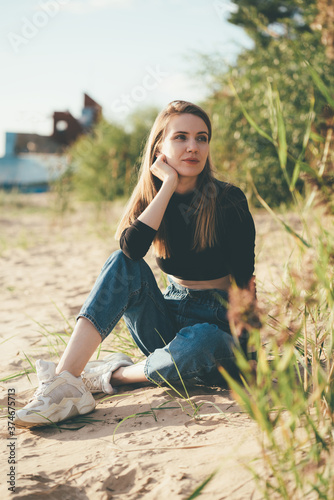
column 68, row 408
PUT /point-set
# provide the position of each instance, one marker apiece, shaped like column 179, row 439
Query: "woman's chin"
column 188, row 171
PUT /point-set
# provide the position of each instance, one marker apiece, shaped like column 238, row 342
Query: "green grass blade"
column 134, row 415
column 282, row 144
column 15, row 375
column 249, row 118
column 322, row 87
column 284, row 224
column 63, row 316
column 6, row 340
column 198, row 491
column 30, row 363
column 306, row 138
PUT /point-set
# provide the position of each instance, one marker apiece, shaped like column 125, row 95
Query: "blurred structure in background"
column 32, row 161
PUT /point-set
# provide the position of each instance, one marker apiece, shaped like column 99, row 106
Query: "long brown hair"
column 148, row 185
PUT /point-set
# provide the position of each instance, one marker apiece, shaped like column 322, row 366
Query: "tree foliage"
column 284, row 39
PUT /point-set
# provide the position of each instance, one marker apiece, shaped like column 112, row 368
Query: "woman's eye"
column 201, row 138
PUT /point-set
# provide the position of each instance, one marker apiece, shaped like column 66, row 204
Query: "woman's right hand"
column 154, row 212
column 163, row 171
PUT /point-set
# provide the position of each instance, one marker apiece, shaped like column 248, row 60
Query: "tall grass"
column 290, row 393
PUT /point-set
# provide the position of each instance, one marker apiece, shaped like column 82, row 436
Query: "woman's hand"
column 154, row 212
column 163, row 171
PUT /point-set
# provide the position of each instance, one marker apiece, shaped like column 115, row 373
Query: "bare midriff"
column 220, row 283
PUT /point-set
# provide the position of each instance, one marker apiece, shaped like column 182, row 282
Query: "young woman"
column 202, row 234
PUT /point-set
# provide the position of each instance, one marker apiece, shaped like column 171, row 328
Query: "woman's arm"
column 137, row 239
column 154, row 212
column 240, row 239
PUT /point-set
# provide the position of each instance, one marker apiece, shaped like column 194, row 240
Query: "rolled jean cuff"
column 150, row 377
column 172, row 374
column 157, row 378
column 92, row 320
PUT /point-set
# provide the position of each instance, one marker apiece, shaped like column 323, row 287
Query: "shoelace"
column 41, row 388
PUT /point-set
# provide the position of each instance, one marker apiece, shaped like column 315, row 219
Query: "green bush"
column 283, row 40
column 103, row 164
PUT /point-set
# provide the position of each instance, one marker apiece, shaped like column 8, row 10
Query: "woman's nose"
column 192, row 145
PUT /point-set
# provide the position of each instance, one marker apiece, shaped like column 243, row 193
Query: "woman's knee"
column 115, row 258
column 120, row 266
column 207, row 339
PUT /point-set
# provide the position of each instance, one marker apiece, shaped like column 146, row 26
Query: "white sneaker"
column 97, row 374
column 57, row 398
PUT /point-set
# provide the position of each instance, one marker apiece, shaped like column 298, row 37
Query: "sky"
column 125, row 54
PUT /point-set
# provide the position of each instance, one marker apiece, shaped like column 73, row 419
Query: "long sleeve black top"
column 232, row 254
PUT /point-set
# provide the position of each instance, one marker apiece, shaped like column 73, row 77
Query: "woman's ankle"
column 128, row 375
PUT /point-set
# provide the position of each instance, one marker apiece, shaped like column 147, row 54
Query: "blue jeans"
column 183, row 332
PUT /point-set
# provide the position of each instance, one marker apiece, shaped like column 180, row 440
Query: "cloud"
column 89, row 6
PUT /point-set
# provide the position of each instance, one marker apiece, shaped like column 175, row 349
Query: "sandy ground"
column 48, row 265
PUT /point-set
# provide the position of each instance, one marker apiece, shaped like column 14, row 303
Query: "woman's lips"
column 191, row 162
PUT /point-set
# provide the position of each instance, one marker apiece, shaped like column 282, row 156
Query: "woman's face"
column 186, row 144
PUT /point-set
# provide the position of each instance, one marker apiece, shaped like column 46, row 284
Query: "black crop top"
column 233, row 254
